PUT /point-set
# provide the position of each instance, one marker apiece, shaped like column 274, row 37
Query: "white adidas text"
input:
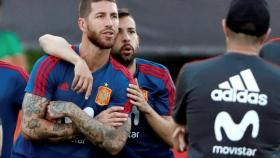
column 232, row 95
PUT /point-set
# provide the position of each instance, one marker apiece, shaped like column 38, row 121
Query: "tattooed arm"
column 35, row 125
column 109, row 138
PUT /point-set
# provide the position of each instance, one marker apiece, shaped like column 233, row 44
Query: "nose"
column 126, row 37
column 109, row 22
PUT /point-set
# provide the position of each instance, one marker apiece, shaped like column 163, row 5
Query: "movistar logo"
column 241, row 88
column 234, row 131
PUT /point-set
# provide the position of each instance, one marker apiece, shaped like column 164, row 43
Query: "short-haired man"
column 230, row 104
column 151, row 121
column 53, row 114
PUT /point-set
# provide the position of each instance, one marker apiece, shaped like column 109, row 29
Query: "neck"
column 243, row 49
column 132, row 67
column 94, row 56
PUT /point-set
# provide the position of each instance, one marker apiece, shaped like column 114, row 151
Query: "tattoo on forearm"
column 34, row 105
column 33, row 123
column 100, row 135
column 58, row 107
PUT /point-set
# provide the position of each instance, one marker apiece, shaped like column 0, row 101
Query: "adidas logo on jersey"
column 241, row 88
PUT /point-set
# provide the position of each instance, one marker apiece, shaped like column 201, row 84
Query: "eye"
column 115, row 16
column 99, row 16
column 131, row 31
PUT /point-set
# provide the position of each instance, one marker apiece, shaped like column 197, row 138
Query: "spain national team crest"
column 145, row 94
column 103, row 95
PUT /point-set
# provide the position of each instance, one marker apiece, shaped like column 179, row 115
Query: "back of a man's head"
column 85, row 6
column 248, row 17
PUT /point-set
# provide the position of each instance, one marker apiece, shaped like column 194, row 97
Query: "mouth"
column 127, row 50
column 108, row 33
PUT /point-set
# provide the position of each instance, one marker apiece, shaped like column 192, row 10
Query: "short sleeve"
column 42, row 81
column 166, row 96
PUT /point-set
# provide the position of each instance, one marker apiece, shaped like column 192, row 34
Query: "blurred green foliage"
column 31, row 56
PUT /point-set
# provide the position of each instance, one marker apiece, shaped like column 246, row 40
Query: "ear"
column 225, row 29
column 266, row 36
column 82, row 24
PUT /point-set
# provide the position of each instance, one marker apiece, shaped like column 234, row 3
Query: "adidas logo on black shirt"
column 241, row 88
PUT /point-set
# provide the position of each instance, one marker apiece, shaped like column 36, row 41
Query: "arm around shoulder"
column 58, row 47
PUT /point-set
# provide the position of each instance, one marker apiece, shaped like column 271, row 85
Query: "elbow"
column 45, row 43
column 44, row 39
column 116, row 147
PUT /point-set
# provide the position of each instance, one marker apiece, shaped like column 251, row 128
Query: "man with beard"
column 151, row 121
column 58, row 122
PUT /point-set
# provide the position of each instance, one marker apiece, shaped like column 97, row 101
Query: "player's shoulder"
column 13, row 70
column 47, row 62
column 202, row 66
column 147, row 66
column 45, row 59
column 205, row 62
column 150, row 63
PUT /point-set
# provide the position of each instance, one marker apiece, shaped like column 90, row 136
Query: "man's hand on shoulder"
column 83, row 79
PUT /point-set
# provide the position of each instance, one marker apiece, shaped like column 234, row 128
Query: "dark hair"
column 250, row 17
column 85, row 6
column 0, row 3
column 123, row 12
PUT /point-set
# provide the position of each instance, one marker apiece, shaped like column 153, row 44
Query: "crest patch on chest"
column 103, row 95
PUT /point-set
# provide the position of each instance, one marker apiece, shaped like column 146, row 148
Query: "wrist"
column 148, row 110
column 76, row 60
